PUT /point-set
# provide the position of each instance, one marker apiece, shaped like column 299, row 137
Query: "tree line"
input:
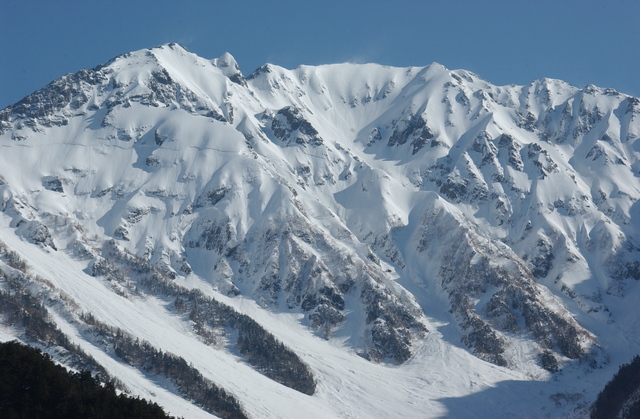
column 210, row 318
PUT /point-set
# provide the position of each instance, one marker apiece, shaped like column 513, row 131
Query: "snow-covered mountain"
column 409, row 241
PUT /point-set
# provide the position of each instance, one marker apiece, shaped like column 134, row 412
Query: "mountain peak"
column 229, row 67
column 226, row 60
column 174, row 46
column 436, row 67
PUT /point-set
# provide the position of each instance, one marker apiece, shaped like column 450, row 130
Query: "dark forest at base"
column 33, row 386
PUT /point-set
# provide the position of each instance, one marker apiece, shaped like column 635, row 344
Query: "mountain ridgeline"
column 368, row 204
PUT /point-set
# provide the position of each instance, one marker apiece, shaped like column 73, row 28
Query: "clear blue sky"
column 503, row 41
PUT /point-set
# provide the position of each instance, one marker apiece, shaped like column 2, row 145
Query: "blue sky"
column 504, row 42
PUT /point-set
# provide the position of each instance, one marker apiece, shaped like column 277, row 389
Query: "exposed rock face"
column 290, row 126
column 493, row 292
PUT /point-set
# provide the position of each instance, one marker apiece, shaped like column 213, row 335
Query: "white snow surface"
column 356, row 168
